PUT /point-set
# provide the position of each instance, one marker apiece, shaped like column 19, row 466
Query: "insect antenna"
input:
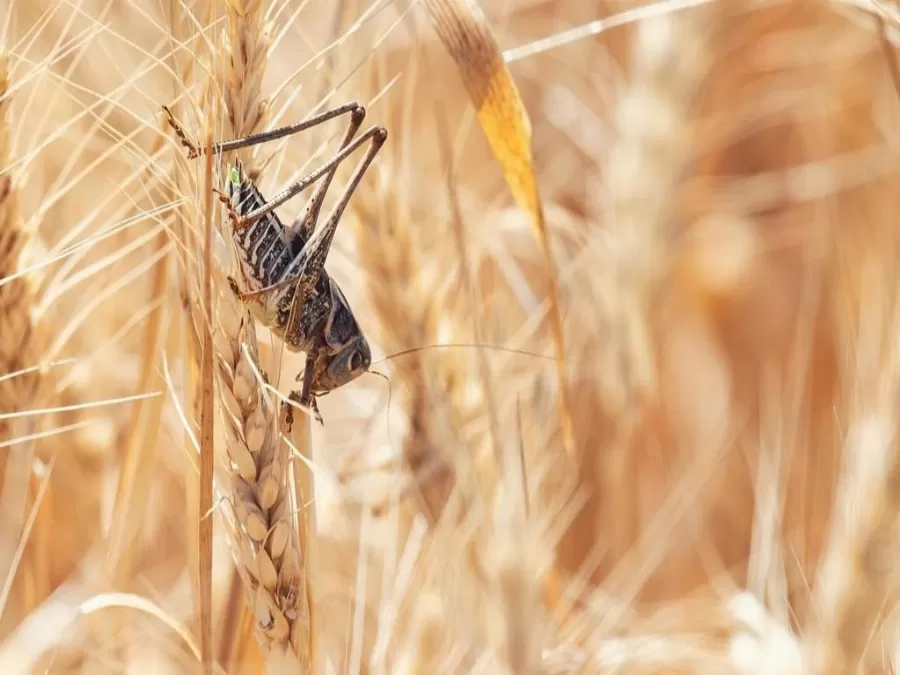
column 464, row 345
column 389, row 384
column 422, row 348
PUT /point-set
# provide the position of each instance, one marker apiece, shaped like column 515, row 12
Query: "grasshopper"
column 287, row 286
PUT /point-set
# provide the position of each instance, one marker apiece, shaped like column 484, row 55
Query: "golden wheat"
column 397, row 283
column 20, row 352
column 729, row 361
column 856, row 583
column 268, row 551
column 247, row 51
column 18, row 349
column 642, row 173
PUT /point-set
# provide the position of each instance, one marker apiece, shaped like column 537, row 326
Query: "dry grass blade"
column 134, row 478
column 464, row 32
column 207, row 449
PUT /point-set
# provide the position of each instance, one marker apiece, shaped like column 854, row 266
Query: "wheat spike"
column 268, row 554
column 248, row 52
column 388, row 252
column 17, row 348
column 642, row 172
column 20, row 345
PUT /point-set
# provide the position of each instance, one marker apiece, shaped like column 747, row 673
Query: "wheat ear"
column 268, row 554
column 20, row 346
column 857, row 586
column 642, row 174
column 388, row 253
column 17, row 348
column 248, row 52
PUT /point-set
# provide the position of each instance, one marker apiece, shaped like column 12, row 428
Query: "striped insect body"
column 282, row 269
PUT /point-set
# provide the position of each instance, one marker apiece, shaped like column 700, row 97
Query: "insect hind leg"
column 312, row 258
column 377, row 136
column 302, row 228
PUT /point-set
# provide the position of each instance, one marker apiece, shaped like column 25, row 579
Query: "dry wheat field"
column 630, row 276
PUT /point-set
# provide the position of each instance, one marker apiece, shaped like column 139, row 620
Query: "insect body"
column 283, row 271
column 271, row 255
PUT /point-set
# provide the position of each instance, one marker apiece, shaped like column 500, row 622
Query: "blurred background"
column 719, row 183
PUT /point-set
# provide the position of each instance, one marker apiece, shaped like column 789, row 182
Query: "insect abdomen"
column 263, row 245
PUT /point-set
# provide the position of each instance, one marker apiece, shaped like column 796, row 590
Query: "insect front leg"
column 192, row 148
column 305, row 396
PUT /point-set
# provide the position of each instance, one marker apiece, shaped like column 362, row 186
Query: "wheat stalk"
column 269, row 556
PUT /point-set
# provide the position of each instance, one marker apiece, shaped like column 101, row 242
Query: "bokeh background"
column 720, row 186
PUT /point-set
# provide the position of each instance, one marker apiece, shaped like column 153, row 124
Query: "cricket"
column 284, row 281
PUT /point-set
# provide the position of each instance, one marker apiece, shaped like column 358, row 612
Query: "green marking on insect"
column 235, row 178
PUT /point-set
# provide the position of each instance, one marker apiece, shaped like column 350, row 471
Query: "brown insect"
column 286, row 285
